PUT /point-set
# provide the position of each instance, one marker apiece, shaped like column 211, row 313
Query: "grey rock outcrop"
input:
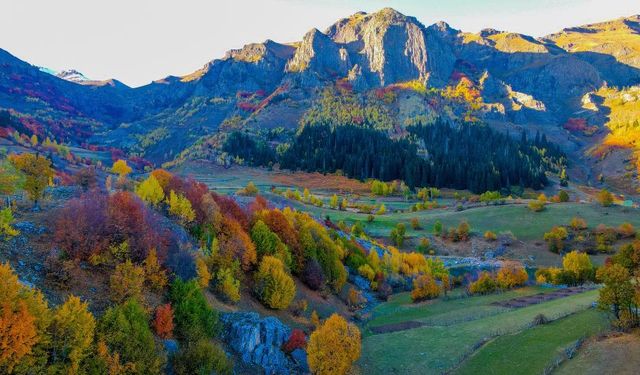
column 258, row 341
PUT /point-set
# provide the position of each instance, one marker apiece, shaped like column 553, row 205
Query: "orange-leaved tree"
column 333, row 347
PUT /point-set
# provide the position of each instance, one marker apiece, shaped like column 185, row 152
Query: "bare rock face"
column 319, row 57
column 390, row 47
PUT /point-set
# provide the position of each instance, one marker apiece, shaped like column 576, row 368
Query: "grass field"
column 454, row 329
column 531, row 350
column 517, row 219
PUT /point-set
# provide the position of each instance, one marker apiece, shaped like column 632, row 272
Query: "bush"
column 490, row 236
column 202, row 357
column 312, row 275
column 555, row 239
column 578, row 223
column 227, row 285
column 297, row 340
column 275, row 288
column 563, row 196
column 367, row 272
column 511, row 276
column 540, row 319
column 536, row 206
column 163, row 322
column 424, row 287
column 626, row 230
column 415, row 223
column 463, row 231
column 484, row 285
column 605, row 198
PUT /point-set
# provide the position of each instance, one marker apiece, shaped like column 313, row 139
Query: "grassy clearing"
column 435, row 349
column 523, row 223
column 400, row 308
column 531, row 350
column 613, row 355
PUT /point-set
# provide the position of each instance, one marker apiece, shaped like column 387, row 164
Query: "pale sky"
column 137, row 41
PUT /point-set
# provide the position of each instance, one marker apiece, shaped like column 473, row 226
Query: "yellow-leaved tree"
column 333, row 347
column 150, row 191
column 274, row 286
column 180, row 207
column 72, row 331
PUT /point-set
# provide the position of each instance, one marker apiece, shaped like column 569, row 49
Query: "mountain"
column 385, row 61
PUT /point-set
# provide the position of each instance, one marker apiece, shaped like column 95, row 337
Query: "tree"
column 124, row 329
column 424, row 287
column 18, row 334
column 579, row 264
column 193, row 317
column 265, row 240
column 180, row 207
column 150, row 191
column 228, row 285
column 312, row 275
column 463, row 230
column 382, row 210
column 72, row 331
column 163, row 321
column 163, row 177
column 484, row 285
column 555, row 239
column 275, row 288
column 37, row 170
column 437, row 228
column 121, row 168
column 511, row 275
column 605, row 198
column 490, row 236
column 86, row 178
column 202, row 357
column 6, row 220
column 563, row 196
column 618, row 291
column 204, row 276
column 11, row 179
column 127, row 282
column 333, row 202
column 397, row 234
column 333, row 347
column 536, row 206
column 578, row 223
column 153, row 272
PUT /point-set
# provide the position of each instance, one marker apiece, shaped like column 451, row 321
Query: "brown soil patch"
column 516, row 303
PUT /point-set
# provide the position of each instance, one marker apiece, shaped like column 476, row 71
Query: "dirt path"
column 520, row 302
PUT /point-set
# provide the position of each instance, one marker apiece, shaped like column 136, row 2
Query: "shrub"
column 202, row 270
column 484, row 285
column 333, row 347
column 415, row 223
column 580, row 265
column 156, row 277
column 150, row 191
column 490, row 236
column 511, row 276
column 312, row 275
column 563, row 196
column 397, row 234
column 228, row 285
column 424, row 287
column 275, row 288
column 539, row 319
column 355, row 299
column 536, row 206
column 578, row 223
column 555, row 239
column 626, row 230
column 437, row 228
column 605, row 198
column 367, row 272
column 463, row 231
column 297, row 340
column 202, row 357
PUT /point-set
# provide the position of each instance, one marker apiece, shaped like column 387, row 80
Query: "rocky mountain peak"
column 72, row 75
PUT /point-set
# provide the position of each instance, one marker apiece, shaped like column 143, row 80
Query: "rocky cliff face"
column 259, row 340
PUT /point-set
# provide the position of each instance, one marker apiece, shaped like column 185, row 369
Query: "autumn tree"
column 555, row 239
column 618, row 291
column 163, row 177
column 18, row 334
column 579, row 264
column 122, row 169
column 275, row 288
column 484, row 285
column 37, row 171
column 127, row 282
column 297, row 340
column 605, row 198
column 150, row 191
column 6, row 221
column 72, row 331
column 86, row 178
column 11, row 179
column 424, row 287
column 333, row 347
column 511, row 275
column 163, row 321
column 202, row 270
column 227, row 285
column 180, row 207
column 397, row 234
column 155, row 276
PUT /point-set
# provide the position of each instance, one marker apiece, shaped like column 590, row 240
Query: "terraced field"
column 454, row 329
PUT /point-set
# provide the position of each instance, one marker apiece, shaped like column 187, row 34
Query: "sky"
column 138, row 41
